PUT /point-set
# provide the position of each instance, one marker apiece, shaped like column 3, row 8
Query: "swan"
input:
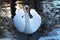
column 24, row 23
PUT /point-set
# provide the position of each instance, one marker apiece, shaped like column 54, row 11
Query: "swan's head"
column 26, row 8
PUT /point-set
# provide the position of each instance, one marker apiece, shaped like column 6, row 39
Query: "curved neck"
column 34, row 14
column 27, row 18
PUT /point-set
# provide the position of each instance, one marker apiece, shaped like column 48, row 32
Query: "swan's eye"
column 22, row 16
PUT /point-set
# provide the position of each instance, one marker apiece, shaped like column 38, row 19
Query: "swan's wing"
column 34, row 13
column 19, row 22
column 20, row 12
column 36, row 20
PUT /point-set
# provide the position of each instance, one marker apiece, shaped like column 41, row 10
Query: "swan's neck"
column 27, row 18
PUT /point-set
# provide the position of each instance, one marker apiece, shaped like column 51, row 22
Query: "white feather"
column 25, row 24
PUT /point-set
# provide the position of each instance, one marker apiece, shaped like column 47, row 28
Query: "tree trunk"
column 13, row 9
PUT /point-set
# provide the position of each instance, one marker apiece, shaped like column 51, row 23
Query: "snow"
column 51, row 38
column 55, row 36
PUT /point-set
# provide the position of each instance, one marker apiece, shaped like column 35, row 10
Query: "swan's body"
column 25, row 24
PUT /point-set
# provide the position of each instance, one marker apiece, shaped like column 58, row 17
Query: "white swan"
column 23, row 22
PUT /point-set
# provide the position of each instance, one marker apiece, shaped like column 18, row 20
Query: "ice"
column 7, row 39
